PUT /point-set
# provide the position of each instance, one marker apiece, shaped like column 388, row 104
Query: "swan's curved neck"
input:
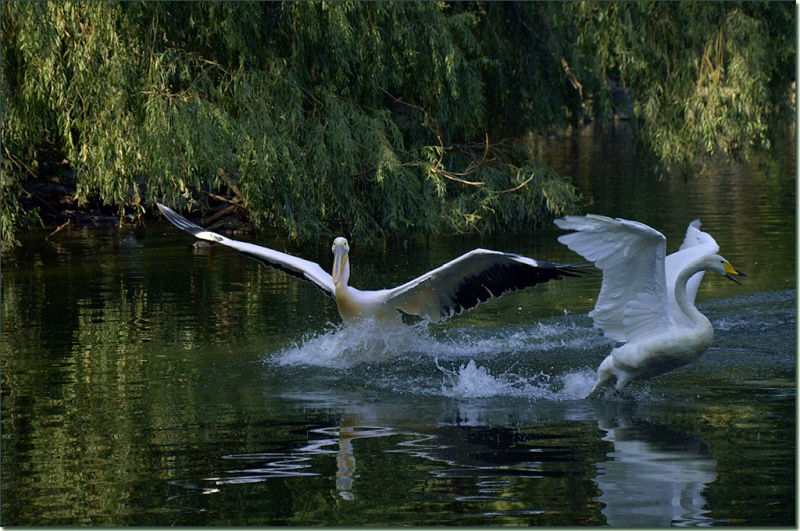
column 681, row 298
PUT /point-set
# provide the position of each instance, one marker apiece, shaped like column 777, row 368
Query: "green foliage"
column 505, row 188
column 362, row 118
column 525, row 82
column 10, row 190
column 318, row 113
column 704, row 76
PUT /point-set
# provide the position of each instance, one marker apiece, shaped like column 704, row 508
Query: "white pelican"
column 646, row 300
column 450, row 289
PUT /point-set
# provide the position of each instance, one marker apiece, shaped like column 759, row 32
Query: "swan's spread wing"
column 694, row 236
column 472, row 278
column 291, row 265
column 697, row 243
column 633, row 301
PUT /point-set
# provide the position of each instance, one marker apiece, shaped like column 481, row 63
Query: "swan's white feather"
column 633, row 300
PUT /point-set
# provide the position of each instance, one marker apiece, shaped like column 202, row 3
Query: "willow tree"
column 313, row 117
column 365, row 118
column 704, row 77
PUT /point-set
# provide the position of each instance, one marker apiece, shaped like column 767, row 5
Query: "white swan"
column 456, row 286
column 646, row 300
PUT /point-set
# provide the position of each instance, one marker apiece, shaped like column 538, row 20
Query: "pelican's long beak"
column 339, row 261
column 731, row 272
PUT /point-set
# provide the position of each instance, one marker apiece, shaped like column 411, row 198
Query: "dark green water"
column 146, row 384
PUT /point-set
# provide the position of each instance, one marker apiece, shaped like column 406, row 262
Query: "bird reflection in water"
column 337, row 441
column 655, row 476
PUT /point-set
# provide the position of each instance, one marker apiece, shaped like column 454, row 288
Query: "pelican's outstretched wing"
column 297, row 267
column 470, row 279
column 633, row 300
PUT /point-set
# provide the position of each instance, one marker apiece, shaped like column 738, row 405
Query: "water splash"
column 474, row 381
column 546, row 361
column 345, row 346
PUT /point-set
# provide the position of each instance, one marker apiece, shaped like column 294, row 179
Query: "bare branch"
column 567, row 70
column 510, row 190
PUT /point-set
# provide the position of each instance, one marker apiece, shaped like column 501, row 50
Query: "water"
column 146, row 384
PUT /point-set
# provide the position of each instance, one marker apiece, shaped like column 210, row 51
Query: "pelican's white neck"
column 344, row 274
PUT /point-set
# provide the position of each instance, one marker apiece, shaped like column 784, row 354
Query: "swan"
column 646, row 300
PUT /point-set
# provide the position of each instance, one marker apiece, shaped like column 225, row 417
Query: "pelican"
column 456, row 286
column 646, row 300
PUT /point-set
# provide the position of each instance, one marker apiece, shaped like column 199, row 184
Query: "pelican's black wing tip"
column 577, row 270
